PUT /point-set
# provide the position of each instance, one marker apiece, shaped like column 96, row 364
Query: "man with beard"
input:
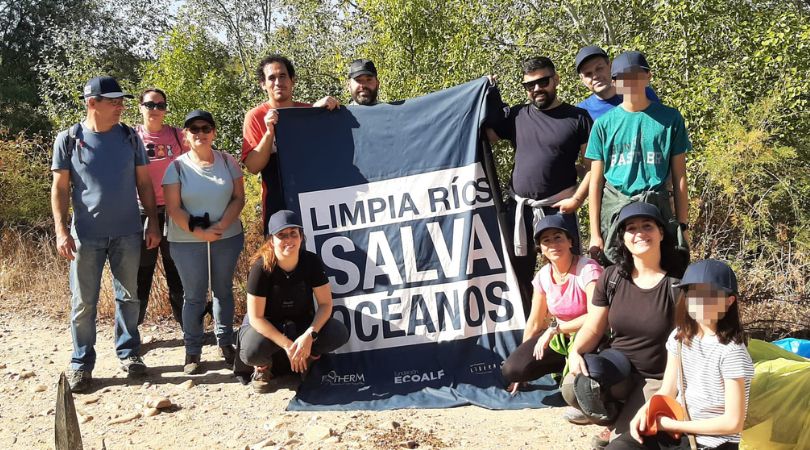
column 363, row 83
column 276, row 76
column 549, row 137
column 593, row 67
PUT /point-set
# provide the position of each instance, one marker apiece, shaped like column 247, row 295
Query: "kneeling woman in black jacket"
column 280, row 311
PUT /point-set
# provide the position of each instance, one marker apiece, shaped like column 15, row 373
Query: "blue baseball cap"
column 199, row 114
column 710, row 271
column 283, row 219
column 628, row 61
column 551, row 222
column 640, row 209
column 104, row 86
column 586, row 53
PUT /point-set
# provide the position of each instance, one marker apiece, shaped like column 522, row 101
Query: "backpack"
column 613, row 280
column 73, row 141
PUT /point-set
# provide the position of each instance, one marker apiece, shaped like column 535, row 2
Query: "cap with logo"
column 712, row 272
column 628, row 61
column 283, row 219
column 105, row 86
column 586, row 53
column 640, row 209
column 199, row 114
column 362, row 67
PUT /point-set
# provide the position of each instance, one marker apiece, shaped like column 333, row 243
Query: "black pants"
column 256, row 350
column 522, row 366
column 146, row 272
column 661, row 441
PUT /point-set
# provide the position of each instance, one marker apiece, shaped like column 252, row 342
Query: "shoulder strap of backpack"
column 674, row 291
column 177, row 138
column 132, row 136
column 612, row 282
column 73, row 139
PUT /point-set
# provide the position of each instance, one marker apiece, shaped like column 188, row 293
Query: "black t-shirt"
column 547, row 144
column 288, row 295
column 641, row 320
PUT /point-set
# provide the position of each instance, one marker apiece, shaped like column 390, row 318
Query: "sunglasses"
column 542, row 82
column 205, row 129
column 152, row 105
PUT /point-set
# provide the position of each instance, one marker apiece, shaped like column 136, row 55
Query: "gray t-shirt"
column 707, row 362
column 203, row 190
column 102, row 174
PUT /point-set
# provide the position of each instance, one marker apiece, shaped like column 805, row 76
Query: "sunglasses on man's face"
column 152, row 105
column 541, row 82
column 205, row 129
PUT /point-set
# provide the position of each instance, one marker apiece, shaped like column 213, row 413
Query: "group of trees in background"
column 738, row 70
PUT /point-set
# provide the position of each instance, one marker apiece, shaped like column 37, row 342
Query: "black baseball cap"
column 640, row 209
column 710, row 271
column 628, row 61
column 199, row 114
column 586, row 53
column 362, row 67
column 105, row 86
column 283, row 219
column 551, row 222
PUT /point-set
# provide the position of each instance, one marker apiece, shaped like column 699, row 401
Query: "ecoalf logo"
column 482, row 368
column 334, row 379
column 414, row 376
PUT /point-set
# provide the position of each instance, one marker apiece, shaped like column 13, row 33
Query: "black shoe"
column 192, row 365
column 79, row 380
column 227, row 353
column 133, row 365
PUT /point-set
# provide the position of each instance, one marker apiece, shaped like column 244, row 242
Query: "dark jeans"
column 146, row 272
column 521, row 365
column 256, row 350
column 661, row 441
column 524, row 266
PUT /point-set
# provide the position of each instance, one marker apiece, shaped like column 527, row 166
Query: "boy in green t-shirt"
column 636, row 147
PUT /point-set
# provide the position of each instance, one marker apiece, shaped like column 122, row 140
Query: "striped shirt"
column 706, row 363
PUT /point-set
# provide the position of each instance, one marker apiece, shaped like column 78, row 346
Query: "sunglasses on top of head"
column 542, row 82
column 152, row 105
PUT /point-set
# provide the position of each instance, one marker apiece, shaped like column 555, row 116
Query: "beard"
column 367, row 97
column 545, row 101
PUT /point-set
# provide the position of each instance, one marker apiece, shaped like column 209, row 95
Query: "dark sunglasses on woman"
column 152, row 105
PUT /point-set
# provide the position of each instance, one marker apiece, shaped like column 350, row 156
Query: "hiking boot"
column 192, row 365
column 575, row 416
column 601, row 440
column 79, row 380
column 133, row 365
column 227, row 353
column 261, row 380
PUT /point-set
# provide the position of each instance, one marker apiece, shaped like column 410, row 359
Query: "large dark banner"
column 396, row 200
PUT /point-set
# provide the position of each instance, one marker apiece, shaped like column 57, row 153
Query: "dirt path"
column 218, row 412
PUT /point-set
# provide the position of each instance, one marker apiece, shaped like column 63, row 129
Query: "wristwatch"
column 314, row 334
column 554, row 325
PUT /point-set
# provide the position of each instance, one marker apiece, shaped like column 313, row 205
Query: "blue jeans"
column 191, row 259
column 124, row 254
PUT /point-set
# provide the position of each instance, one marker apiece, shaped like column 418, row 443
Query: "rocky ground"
column 214, row 410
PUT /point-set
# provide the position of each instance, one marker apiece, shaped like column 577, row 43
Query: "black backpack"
column 73, row 141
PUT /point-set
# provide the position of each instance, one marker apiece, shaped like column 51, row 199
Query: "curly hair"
column 670, row 260
column 274, row 58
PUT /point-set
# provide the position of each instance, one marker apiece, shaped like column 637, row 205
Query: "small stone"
column 147, row 340
column 290, row 433
column 146, row 385
column 186, row 385
column 85, row 419
column 157, row 402
column 90, row 400
column 124, row 419
column 292, row 442
column 38, row 388
column 332, row 440
column 149, row 412
column 47, row 412
column 409, row 444
column 2, row 366
column 395, row 424
column 26, row 374
column 317, row 433
column 274, row 425
column 261, row 444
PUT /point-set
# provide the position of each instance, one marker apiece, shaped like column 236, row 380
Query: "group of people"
column 619, row 324
column 160, row 189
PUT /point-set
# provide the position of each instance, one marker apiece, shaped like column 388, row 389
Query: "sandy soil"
column 219, row 412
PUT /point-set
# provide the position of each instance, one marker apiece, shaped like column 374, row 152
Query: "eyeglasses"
column 152, row 105
column 542, row 82
column 205, row 129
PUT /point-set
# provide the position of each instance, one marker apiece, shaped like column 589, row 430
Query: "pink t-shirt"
column 162, row 148
column 568, row 301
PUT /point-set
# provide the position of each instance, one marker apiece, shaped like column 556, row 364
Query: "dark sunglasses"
column 542, row 82
column 152, row 105
column 205, row 129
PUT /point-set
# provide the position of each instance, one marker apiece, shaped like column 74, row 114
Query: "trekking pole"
column 210, row 294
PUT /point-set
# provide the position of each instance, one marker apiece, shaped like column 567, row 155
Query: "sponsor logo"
column 334, row 379
column 414, row 376
column 483, row 368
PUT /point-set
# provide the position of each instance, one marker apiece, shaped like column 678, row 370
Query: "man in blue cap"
column 105, row 162
column 593, row 67
column 634, row 149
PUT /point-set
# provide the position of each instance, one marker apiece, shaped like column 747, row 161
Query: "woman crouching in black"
column 280, row 312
